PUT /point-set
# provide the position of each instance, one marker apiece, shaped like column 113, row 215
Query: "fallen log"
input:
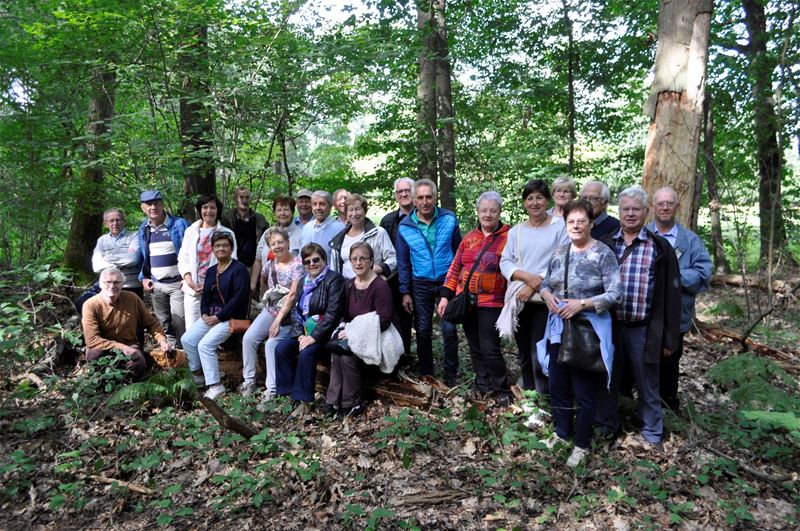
column 756, row 281
column 130, row 486
column 785, row 359
column 430, row 498
column 226, row 421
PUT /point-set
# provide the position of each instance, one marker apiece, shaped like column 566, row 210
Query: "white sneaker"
column 266, row 397
column 552, row 441
column 199, row 380
column 215, row 391
column 247, row 388
column 578, row 454
column 537, row 419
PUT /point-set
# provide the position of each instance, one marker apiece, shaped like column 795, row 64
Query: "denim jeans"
column 200, row 343
column 573, row 417
column 296, row 379
column 425, row 295
column 629, row 354
column 168, row 306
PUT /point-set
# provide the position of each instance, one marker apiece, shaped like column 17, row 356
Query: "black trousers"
column 491, row 375
column 669, row 372
column 532, row 322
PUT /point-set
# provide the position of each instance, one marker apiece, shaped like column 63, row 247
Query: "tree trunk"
column 762, row 64
column 570, row 87
column 195, row 123
column 675, row 105
column 86, row 225
column 444, row 110
column 721, row 265
column 426, row 95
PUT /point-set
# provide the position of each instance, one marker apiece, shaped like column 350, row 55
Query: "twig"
column 226, row 421
column 431, row 498
column 774, row 306
column 773, row 478
column 130, row 486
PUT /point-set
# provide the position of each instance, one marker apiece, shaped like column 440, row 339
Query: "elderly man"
column 323, row 227
column 427, row 240
column 111, row 320
column 119, row 248
column 695, row 267
column 598, row 195
column 390, row 223
column 339, row 198
column 160, row 239
column 303, row 202
column 247, row 225
column 647, row 321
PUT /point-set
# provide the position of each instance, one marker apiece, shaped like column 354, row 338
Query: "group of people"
column 340, row 289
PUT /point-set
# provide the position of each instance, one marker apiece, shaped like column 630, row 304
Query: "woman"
column 196, row 257
column 484, row 244
column 318, row 308
column 225, row 296
column 367, row 293
column 283, row 210
column 525, row 260
column 593, row 286
column 359, row 228
column 284, row 271
column 565, row 189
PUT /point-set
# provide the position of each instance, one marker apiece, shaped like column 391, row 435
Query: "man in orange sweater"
column 111, row 319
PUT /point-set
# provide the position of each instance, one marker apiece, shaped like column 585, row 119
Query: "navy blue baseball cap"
column 150, row 195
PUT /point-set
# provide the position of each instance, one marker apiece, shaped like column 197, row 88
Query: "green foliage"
column 173, row 386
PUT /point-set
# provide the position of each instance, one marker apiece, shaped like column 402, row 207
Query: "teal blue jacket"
column 416, row 259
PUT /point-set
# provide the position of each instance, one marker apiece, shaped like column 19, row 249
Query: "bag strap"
column 628, row 251
column 478, row 261
column 566, row 272
column 221, row 296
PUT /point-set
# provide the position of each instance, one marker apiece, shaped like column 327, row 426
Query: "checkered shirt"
column 637, row 273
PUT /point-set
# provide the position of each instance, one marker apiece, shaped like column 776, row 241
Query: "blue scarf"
column 309, row 285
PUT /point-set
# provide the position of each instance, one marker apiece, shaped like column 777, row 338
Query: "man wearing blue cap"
column 160, row 239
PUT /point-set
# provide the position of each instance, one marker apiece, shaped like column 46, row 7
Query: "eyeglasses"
column 110, row 283
column 359, row 259
column 581, row 221
column 404, row 191
column 665, row 204
column 313, row 260
column 593, row 199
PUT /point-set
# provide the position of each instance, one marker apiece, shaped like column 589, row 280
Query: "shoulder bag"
column 460, row 306
column 580, row 346
column 237, row 326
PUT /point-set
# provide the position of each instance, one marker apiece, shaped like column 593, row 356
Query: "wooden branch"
column 226, row 421
column 772, row 307
column 760, row 474
column 130, row 486
column 779, row 286
column 431, row 498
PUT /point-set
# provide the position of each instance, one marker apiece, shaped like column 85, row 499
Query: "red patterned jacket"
column 486, row 281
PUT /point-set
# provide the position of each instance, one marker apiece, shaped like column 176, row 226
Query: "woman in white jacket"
column 196, row 256
column 359, row 228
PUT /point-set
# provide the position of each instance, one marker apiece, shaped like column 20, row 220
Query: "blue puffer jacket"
column 415, row 258
column 176, row 227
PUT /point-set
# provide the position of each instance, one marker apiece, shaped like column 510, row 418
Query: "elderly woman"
column 225, row 296
column 592, row 287
column 524, row 264
column 367, row 292
column 476, row 269
column 280, row 276
column 283, row 211
column 318, row 308
column 196, row 256
column 565, row 189
column 360, row 228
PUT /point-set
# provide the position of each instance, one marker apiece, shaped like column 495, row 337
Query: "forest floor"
column 71, row 457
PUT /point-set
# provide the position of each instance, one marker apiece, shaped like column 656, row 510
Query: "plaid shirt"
column 637, row 273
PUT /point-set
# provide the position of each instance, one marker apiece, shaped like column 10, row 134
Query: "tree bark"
column 770, row 161
column 195, row 123
column 676, row 100
column 86, row 223
column 721, row 265
column 570, row 87
column 426, row 95
column 444, row 110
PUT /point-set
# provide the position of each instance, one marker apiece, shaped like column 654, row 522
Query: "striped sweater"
column 487, row 280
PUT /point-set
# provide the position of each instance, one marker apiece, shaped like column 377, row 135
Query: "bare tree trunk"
column 721, row 265
column 570, row 86
column 86, row 223
column 762, row 64
column 444, row 110
column 426, row 95
column 676, row 100
column 195, row 122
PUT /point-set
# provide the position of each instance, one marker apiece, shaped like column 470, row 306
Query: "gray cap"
column 304, row 192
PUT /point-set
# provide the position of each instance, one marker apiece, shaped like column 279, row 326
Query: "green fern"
column 778, row 420
column 173, row 386
column 735, row 371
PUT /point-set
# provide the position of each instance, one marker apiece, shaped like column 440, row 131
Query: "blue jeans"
column 629, row 344
column 297, row 381
column 425, row 295
column 566, row 383
column 200, row 343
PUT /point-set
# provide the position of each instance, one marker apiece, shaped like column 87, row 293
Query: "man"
column 111, row 320
column 303, row 202
column 160, row 239
column 119, row 248
column 695, row 269
column 390, row 223
column 647, row 321
column 427, row 240
column 339, row 198
column 247, row 226
column 598, row 195
column 323, row 227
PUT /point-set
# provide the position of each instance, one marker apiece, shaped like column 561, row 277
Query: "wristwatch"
column 583, row 304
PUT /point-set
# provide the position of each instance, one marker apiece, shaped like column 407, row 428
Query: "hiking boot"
column 577, row 456
column 356, row 411
column 553, row 441
column 330, row 411
column 247, row 388
column 266, row 398
column 215, row 391
column 537, row 419
column 451, row 380
column 199, row 380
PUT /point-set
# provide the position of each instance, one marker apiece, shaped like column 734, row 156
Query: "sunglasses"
column 315, row 260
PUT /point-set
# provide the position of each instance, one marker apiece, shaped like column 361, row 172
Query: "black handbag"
column 459, row 307
column 580, row 346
